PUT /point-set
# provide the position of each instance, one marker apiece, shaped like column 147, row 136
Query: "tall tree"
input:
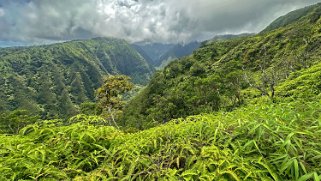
column 109, row 95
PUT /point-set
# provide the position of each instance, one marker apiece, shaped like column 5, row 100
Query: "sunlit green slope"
column 258, row 142
column 223, row 75
column 54, row 79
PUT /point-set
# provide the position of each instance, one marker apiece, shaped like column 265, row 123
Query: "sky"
column 170, row 21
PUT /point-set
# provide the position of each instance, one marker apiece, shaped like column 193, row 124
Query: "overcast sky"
column 137, row 20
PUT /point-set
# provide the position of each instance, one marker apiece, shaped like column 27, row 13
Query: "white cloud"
column 2, row 13
column 137, row 20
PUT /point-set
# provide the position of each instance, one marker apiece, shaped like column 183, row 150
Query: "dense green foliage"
column 55, row 79
column 110, row 97
column 292, row 17
column 267, row 142
column 304, row 84
column 255, row 106
column 226, row 74
column 12, row 122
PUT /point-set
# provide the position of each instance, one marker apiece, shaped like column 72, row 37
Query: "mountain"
column 153, row 50
column 54, row 79
column 148, row 59
column 178, row 51
column 161, row 54
column 259, row 118
column 294, row 16
column 226, row 74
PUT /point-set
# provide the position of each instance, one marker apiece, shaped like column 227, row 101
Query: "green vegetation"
column 267, row 142
column 238, row 109
column 109, row 96
column 54, row 80
column 304, row 84
column 12, row 122
column 293, row 17
column 224, row 74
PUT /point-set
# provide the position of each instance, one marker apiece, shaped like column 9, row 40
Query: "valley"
column 234, row 107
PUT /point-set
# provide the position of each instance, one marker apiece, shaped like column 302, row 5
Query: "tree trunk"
column 112, row 116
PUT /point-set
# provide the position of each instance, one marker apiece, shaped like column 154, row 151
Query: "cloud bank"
column 137, row 20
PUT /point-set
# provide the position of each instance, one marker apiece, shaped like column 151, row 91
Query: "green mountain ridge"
column 225, row 74
column 54, row 79
column 247, row 109
column 294, row 16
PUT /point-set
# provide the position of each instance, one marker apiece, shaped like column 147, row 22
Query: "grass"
column 258, row 142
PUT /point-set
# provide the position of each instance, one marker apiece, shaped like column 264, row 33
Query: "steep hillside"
column 255, row 104
column 159, row 55
column 226, row 74
column 153, row 50
column 54, row 79
column 294, row 16
column 178, row 51
column 303, row 85
column 145, row 55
